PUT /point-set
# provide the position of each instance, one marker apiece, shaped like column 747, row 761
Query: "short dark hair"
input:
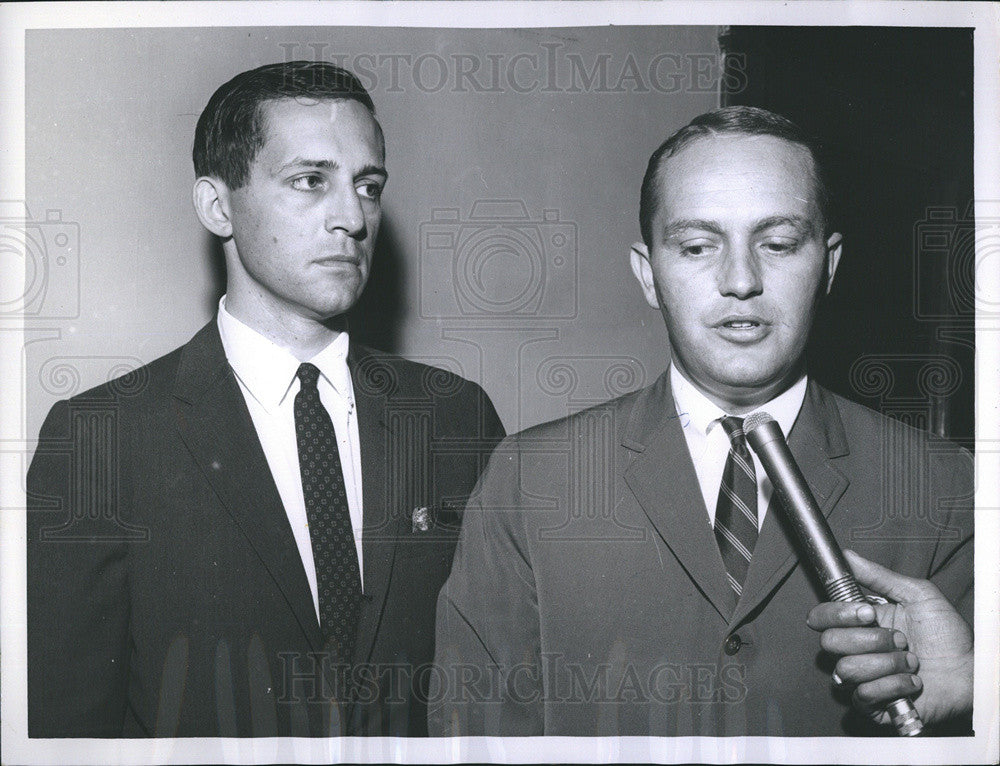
column 231, row 130
column 745, row 120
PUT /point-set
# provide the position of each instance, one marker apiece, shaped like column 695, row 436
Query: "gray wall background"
column 533, row 298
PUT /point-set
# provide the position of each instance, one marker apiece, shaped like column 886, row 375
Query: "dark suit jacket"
column 166, row 596
column 589, row 588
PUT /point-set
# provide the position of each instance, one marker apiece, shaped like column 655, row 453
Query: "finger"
column 882, row 580
column 861, row 668
column 848, row 641
column 881, row 692
column 838, row 614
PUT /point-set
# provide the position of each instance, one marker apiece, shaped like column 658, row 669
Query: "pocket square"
column 421, row 518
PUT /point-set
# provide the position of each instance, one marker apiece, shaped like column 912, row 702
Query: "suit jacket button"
column 733, row 644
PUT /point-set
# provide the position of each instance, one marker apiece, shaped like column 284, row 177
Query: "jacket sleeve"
column 487, row 678
column 493, row 429
column 952, row 493
column 952, row 496
column 77, row 599
column 489, row 429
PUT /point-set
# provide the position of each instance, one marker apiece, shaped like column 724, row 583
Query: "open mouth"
column 741, row 324
column 743, row 329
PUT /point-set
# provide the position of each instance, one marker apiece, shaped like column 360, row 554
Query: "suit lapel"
column 216, row 426
column 663, row 480
column 372, row 381
column 816, row 440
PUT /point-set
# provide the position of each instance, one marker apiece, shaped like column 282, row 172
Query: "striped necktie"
column 736, row 511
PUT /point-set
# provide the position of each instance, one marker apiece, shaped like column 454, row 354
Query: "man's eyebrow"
column 305, row 162
column 673, row 228
column 373, row 170
column 795, row 221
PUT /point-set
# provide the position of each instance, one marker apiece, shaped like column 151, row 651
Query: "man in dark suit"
column 246, row 537
column 624, row 571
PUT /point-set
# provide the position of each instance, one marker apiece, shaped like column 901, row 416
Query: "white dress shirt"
column 267, row 376
column 709, row 444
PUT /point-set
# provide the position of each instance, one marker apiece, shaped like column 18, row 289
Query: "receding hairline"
column 314, row 101
column 715, row 134
column 262, row 113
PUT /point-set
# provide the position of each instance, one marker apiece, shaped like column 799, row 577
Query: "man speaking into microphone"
column 626, row 570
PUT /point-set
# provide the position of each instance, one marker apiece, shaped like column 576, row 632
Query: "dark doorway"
column 893, row 108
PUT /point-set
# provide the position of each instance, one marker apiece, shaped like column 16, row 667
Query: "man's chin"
column 331, row 313
column 336, row 303
column 755, row 389
column 743, row 385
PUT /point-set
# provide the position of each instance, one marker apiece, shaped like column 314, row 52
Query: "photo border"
column 982, row 748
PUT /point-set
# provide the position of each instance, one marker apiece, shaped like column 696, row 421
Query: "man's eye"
column 778, row 247
column 370, row 189
column 307, row 183
column 697, row 249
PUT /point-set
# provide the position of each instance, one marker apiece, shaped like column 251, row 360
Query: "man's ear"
column 211, row 203
column 643, row 270
column 834, row 246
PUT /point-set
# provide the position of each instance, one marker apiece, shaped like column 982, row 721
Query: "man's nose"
column 739, row 274
column 344, row 211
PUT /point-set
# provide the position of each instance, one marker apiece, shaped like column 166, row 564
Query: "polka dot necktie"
column 338, row 576
column 736, row 512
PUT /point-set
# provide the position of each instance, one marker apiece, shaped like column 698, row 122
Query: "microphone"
column 809, row 525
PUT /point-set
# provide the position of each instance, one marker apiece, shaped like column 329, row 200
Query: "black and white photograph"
column 509, row 382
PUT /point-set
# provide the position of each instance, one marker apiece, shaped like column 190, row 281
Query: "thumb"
column 894, row 586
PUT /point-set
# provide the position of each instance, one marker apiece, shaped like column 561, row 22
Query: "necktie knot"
column 308, row 375
column 733, row 427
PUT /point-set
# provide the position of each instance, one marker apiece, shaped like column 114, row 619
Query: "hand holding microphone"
column 939, row 644
column 809, row 525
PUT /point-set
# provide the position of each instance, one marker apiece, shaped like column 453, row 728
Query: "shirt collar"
column 267, row 370
column 697, row 411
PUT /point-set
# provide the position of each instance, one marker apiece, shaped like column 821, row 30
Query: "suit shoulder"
column 135, row 387
column 380, row 373
column 863, row 423
column 136, row 402
column 617, row 411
